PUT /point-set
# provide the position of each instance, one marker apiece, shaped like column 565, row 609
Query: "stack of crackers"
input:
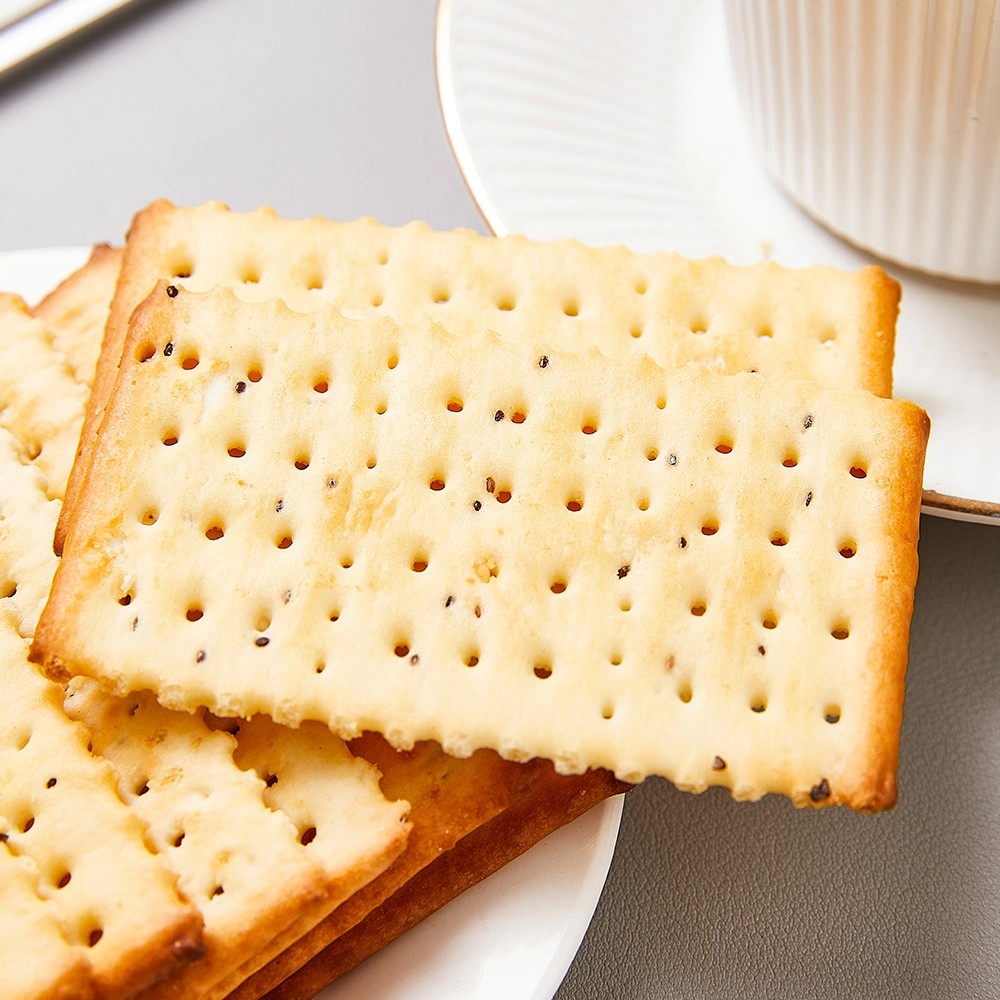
column 358, row 559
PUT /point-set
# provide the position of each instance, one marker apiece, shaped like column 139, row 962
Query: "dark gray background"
column 331, row 108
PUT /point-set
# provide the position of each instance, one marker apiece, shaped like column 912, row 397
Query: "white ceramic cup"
column 882, row 118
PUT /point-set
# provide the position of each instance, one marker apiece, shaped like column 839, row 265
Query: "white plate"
column 620, row 123
column 513, row 936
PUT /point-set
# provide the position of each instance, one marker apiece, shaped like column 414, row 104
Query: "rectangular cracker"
column 41, row 403
column 27, row 520
column 60, row 809
column 452, row 797
column 76, row 310
column 833, row 327
column 264, row 853
column 240, row 858
column 38, row 962
column 470, row 818
column 380, row 530
column 59, row 805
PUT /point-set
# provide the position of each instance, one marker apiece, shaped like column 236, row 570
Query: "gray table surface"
column 331, row 108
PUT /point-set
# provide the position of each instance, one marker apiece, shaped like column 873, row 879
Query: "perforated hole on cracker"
column 705, row 585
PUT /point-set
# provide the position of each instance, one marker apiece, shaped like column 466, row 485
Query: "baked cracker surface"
column 41, row 403
column 258, row 873
column 833, row 327
column 241, row 861
column 77, row 310
column 597, row 562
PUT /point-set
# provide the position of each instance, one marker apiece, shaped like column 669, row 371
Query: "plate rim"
column 932, row 502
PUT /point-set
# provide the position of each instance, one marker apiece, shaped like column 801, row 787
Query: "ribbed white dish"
column 621, row 123
column 882, row 117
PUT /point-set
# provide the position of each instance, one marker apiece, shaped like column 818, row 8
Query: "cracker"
column 27, row 520
column 243, row 865
column 262, row 865
column 470, row 817
column 38, row 962
column 41, row 403
column 598, row 562
column 830, row 326
column 59, row 805
column 77, row 309
column 113, row 898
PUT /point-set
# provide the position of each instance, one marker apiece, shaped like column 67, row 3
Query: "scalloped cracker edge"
column 678, row 573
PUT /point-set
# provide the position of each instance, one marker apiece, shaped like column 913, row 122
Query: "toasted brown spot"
column 821, row 791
